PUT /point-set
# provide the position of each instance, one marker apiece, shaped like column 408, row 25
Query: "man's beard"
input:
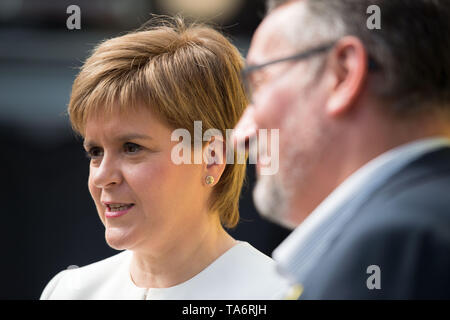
column 271, row 200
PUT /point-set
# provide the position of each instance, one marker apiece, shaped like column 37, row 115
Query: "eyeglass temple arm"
column 371, row 63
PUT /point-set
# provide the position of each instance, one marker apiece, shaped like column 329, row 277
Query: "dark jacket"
column 404, row 229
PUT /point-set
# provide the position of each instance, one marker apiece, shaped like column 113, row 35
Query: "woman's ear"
column 214, row 155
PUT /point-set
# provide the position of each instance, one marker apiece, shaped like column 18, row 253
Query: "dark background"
column 48, row 220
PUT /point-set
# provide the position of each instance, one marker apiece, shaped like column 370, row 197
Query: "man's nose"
column 107, row 174
column 246, row 127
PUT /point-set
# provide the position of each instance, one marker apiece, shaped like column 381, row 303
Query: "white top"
column 300, row 252
column 242, row 272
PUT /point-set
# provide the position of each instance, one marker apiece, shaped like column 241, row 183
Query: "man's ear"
column 348, row 63
column 214, row 158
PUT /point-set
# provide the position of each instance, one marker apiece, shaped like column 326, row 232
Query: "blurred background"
column 48, row 220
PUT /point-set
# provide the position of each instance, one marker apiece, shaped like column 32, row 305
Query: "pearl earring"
column 209, row 180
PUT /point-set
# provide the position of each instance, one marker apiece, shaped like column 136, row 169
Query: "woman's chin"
column 118, row 238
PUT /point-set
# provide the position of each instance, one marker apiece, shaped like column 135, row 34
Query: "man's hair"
column 182, row 72
column 412, row 48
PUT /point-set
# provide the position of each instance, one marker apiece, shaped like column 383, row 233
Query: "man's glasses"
column 247, row 71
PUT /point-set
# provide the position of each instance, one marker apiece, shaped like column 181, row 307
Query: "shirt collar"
column 305, row 240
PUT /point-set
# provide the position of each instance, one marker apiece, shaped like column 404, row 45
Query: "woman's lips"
column 115, row 212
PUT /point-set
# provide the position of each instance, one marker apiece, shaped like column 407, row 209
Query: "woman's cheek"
column 147, row 177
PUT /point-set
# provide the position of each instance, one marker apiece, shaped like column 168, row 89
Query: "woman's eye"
column 131, row 147
column 94, row 153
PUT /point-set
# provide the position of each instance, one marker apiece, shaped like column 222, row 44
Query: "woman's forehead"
column 117, row 124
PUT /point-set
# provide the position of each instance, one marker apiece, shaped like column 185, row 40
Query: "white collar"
column 214, row 275
column 296, row 255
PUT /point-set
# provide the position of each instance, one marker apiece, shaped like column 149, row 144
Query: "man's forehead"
column 270, row 40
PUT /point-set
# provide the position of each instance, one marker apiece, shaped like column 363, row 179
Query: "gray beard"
column 271, row 200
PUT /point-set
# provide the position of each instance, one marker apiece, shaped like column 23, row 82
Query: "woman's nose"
column 246, row 127
column 107, row 174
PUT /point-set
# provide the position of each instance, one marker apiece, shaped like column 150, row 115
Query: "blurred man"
column 364, row 120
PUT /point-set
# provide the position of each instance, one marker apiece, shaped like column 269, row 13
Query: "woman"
column 129, row 97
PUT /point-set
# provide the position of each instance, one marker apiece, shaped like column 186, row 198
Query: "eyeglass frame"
column 371, row 63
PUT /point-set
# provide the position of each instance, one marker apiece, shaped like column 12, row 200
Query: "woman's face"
column 143, row 199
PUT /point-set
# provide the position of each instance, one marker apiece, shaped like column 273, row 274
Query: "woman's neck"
column 183, row 260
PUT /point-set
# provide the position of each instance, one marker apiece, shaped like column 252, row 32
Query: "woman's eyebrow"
column 132, row 136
